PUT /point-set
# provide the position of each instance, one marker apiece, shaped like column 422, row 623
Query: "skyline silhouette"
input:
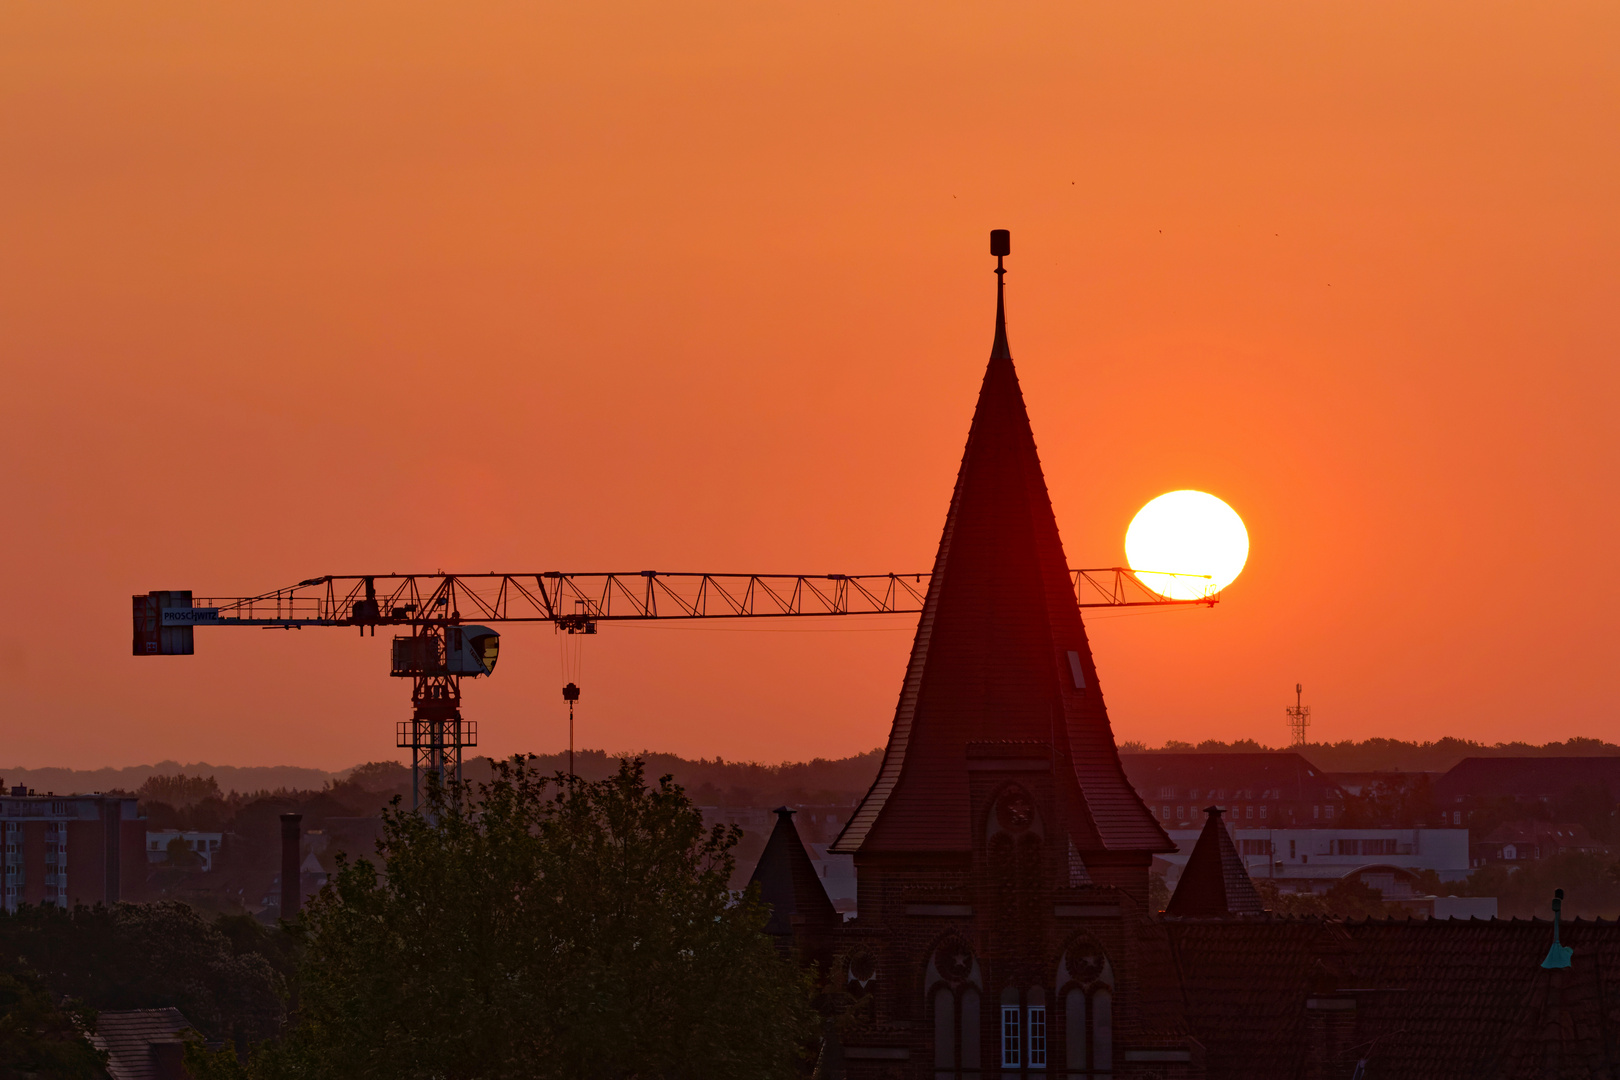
column 708, row 290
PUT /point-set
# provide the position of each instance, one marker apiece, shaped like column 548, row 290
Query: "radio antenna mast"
column 1299, row 715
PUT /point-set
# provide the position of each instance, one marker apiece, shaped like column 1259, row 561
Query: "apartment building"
column 68, row 849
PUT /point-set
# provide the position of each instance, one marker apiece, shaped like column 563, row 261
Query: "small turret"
column 1214, row 883
column 802, row 919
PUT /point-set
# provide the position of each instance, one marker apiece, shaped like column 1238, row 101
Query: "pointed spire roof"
column 1215, row 882
column 1000, row 654
column 788, row 882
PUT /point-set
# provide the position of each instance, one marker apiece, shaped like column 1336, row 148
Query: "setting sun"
column 1186, row 532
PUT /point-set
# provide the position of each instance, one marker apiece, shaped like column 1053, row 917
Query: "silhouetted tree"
column 1349, row 898
column 1403, row 801
column 1591, row 884
column 146, row 956
column 179, row 790
column 551, row 929
column 39, row 1039
column 182, row 857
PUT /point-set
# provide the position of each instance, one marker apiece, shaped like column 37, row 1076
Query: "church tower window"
column 953, row 982
column 1086, row 990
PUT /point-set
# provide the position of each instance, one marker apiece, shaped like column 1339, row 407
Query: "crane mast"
column 440, row 638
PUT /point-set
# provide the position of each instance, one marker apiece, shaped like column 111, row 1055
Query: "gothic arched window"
column 952, row 986
column 1085, row 981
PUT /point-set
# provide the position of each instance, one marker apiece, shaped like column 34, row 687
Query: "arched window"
column 944, row 1027
column 952, row 986
column 1102, row 1030
column 1078, row 1046
column 968, row 1000
column 1085, row 982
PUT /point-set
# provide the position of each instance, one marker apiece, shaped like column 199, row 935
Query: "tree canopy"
column 226, row 975
column 548, row 928
column 40, row 1039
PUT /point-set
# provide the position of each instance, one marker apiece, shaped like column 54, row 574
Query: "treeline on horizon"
column 710, row 781
column 718, row 782
column 1387, row 755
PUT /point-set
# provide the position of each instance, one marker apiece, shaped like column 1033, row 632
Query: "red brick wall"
column 86, row 863
column 33, row 853
column 132, row 860
column 1006, row 908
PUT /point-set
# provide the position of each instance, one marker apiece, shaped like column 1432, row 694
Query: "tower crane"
column 440, row 636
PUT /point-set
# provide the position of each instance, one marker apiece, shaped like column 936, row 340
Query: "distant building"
column 205, row 844
column 1258, row 790
column 1526, row 841
column 69, row 849
column 837, row 874
column 1313, row 860
column 1528, row 780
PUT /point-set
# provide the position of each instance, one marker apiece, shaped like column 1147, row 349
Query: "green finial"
column 1557, row 956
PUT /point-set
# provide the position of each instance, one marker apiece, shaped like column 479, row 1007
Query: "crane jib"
column 437, row 642
column 569, row 598
column 576, row 602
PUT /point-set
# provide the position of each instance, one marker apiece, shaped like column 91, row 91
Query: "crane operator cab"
column 467, row 650
column 471, row 650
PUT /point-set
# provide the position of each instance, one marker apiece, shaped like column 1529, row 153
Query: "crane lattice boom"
column 577, row 601
column 442, row 641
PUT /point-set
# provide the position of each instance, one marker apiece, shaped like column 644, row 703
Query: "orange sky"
column 303, row 288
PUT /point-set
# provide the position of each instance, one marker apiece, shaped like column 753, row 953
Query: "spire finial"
column 1557, row 956
column 1000, row 247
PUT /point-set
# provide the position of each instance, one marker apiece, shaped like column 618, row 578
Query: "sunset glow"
column 302, row 289
column 1187, row 532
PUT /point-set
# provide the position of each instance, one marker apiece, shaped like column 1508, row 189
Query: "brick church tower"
column 1001, row 856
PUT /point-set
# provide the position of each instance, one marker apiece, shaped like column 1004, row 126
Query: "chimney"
column 291, row 894
column 168, row 1059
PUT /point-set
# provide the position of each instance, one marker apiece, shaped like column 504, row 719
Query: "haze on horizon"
column 534, row 287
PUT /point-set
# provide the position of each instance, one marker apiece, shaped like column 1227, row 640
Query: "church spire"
column 1000, row 655
column 1000, row 247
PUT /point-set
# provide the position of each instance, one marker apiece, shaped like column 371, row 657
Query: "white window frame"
column 1012, row 1037
column 1035, row 1038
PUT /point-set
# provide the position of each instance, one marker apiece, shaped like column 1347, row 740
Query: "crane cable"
column 571, row 650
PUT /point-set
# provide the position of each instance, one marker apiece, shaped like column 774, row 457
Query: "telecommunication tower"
column 1299, row 715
